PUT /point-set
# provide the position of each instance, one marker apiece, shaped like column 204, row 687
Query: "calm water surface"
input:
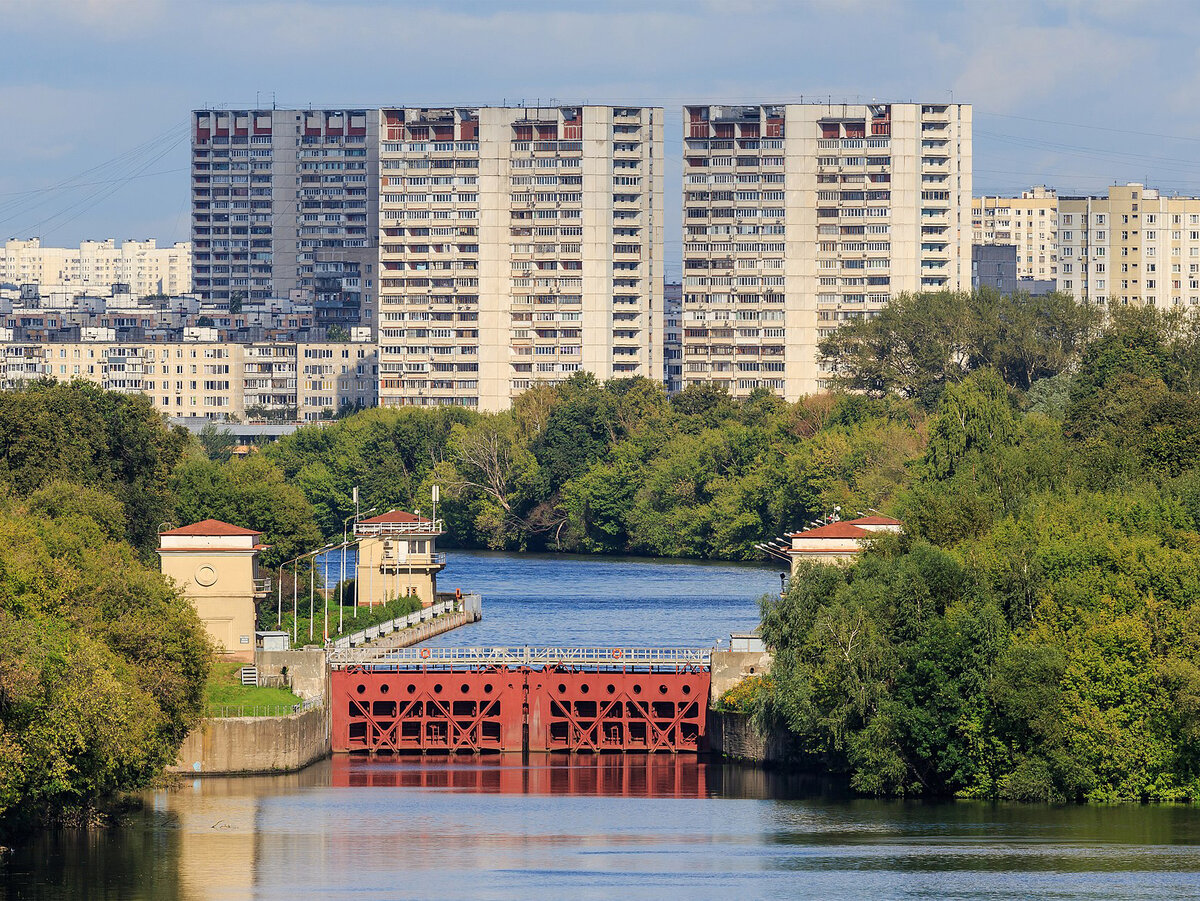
column 609, row 827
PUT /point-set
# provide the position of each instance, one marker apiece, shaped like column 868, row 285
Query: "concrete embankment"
column 740, row 737
column 227, row 746
column 262, row 744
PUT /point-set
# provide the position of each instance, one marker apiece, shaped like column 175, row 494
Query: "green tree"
column 253, row 493
column 102, row 664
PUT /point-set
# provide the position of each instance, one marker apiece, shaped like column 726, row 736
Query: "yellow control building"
column 216, row 565
column 397, row 556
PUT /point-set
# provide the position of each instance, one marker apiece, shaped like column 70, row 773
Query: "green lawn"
column 226, row 696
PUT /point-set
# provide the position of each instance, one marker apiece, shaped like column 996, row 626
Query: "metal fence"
column 450, row 605
column 224, row 711
column 469, row 658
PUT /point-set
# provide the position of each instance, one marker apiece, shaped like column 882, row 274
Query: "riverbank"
column 261, row 745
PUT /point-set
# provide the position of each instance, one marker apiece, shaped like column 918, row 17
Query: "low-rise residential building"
column 1029, row 223
column 209, row 378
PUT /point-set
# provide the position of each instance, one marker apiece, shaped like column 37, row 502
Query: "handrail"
column 451, row 604
column 442, row 657
column 398, row 528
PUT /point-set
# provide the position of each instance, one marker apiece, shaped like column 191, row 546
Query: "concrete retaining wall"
column 731, row 667
column 307, row 671
column 737, row 735
column 264, row 744
column 414, row 634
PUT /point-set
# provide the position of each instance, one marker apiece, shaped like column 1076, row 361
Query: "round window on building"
column 206, row 575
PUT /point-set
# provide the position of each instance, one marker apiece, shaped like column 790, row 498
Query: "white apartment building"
column 1134, row 245
column 1028, row 222
column 798, row 217
column 210, row 379
column 516, row 246
column 98, row 265
column 283, row 205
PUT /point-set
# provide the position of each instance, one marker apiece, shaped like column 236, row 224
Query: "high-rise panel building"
column 517, row 246
column 673, row 337
column 798, row 217
column 284, row 205
column 1028, row 222
column 1133, row 246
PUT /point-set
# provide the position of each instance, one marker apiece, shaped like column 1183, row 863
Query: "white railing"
column 469, row 602
column 364, row 529
column 522, row 656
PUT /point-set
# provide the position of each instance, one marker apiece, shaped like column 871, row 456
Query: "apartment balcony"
column 262, row 587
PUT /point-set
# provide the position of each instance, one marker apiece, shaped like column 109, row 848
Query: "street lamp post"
column 296, row 592
column 312, row 592
column 342, row 585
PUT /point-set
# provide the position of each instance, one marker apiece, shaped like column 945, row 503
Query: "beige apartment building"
column 98, row 265
column 517, row 245
column 211, row 379
column 798, row 217
column 1029, row 222
column 1132, row 246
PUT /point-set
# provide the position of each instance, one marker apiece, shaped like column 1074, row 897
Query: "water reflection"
column 602, row 775
column 644, row 826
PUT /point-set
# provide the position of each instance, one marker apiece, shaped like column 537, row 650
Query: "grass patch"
column 224, row 695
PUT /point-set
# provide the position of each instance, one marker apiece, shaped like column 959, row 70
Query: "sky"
column 95, row 94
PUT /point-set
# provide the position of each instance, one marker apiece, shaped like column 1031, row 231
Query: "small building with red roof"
column 398, row 556
column 215, row 564
column 841, row 541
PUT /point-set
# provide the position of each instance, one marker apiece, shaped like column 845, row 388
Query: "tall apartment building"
column 284, row 205
column 145, row 267
column 210, row 379
column 673, row 337
column 798, row 217
column 1029, row 222
column 1133, row 246
column 517, row 245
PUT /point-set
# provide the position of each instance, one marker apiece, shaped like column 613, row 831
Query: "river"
column 610, row 827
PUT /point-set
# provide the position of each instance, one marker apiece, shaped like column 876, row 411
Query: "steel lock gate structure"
column 469, row 700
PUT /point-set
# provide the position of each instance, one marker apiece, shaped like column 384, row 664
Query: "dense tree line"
column 1035, row 633
column 613, row 468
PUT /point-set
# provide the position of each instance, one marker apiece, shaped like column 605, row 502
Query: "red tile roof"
column 834, row 530
column 875, row 521
column 210, row 527
column 395, row 516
